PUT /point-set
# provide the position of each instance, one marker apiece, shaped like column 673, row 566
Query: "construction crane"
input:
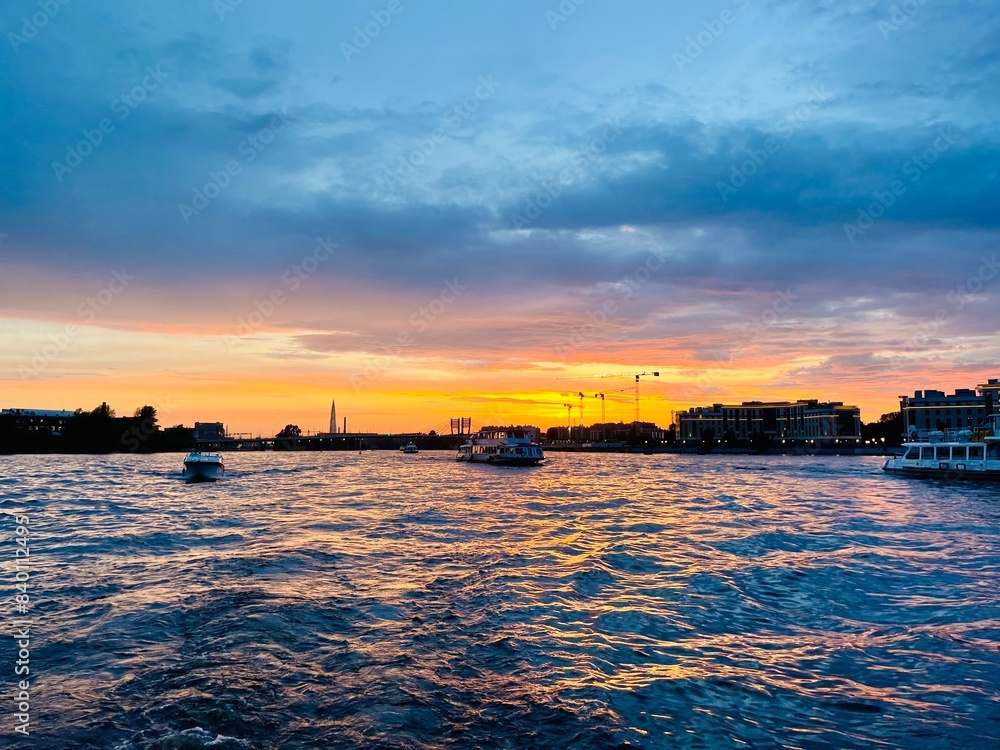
column 604, row 419
column 636, row 375
column 570, row 407
column 639, row 375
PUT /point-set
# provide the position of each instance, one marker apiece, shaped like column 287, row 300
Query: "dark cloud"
column 687, row 171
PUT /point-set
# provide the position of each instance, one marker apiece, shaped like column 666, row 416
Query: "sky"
column 237, row 210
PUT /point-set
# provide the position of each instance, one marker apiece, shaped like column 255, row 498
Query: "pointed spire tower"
column 333, row 416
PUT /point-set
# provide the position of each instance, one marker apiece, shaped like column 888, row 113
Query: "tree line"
column 100, row 430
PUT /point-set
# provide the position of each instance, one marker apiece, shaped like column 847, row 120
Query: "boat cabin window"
column 912, row 454
column 993, row 452
column 976, row 452
column 958, row 453
column 943, row 453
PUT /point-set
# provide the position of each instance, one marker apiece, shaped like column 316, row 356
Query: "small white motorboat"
column 203, row 467
column 410, row 447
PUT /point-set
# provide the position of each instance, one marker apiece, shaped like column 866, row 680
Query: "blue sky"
column 738, row 140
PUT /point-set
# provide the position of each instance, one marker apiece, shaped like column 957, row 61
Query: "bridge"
column 352, row 441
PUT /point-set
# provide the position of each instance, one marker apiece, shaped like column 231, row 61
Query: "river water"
column 381, row 600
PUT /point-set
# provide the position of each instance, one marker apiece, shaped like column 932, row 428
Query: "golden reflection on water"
column 742, row 598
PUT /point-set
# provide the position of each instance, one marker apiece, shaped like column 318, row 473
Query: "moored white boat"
column 203, row 467
column 502, row 448
column 955, row 454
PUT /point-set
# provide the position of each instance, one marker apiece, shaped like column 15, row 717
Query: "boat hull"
column 203, row 471
column 502, row 460
column 945, row 472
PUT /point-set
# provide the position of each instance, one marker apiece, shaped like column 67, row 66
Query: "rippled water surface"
column 340, row 600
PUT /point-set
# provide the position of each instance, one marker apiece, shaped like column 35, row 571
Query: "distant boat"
column 501, row 448
column 203, row 467
column 955, row 454
column 410, row 447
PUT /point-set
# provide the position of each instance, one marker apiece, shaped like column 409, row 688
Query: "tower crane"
column 636, row 375
column 639, row 375
column 604, row 419
column 569, row 415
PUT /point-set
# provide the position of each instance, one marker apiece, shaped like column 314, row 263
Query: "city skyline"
column 970, row 405
column 231, row 210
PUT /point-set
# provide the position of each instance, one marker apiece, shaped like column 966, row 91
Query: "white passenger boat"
column 501, row 447
column 955, row 454
column 410, row 447
column 203, row 467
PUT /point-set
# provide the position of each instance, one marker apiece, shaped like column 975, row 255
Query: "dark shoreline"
column 659, row 450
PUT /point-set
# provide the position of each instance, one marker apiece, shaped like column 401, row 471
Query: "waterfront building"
column 43, row 420
column 209, row 431
column 812, row 422
column 621, row 431
column 333, row 417
column 965, row 409
column 991, row 395
column 557, row 434
column 610, row 432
